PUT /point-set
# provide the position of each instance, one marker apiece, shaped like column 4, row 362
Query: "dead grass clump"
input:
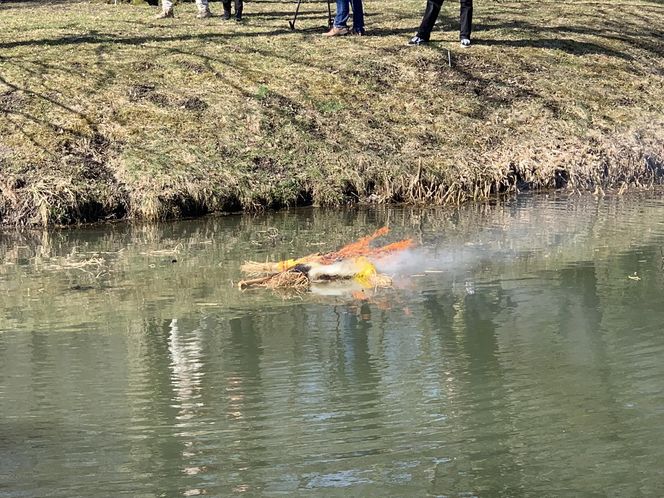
column 298, row 281
column 194, row 104
column 256, row 268
column 140, row 92
column 11, row 101
column 292, row 280
column 288, row 280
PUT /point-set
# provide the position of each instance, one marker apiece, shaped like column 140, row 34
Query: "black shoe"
column 238, row 18
column 227, row 15
column 416, row 40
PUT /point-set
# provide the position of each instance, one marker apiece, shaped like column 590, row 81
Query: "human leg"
column 342, row 15
column 340, row 26
column 203, row 9
column 226, row 4
column 166, row 9
column 429, row 20
column 466, row 18
column 239, row 7
column 358, row 16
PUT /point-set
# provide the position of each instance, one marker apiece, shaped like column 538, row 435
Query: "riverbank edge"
column 635, row 161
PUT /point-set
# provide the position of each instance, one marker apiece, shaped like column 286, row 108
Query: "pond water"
column 520, row 352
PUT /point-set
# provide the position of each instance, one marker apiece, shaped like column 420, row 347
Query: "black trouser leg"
column 239, row 5
column 466, row 18
column 227, row 7
column 429, row 19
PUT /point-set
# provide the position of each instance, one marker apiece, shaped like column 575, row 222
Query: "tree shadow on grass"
column 390, row 31
column 101, row 38
column 570, row 46
column 465, row 77
column 647, row 38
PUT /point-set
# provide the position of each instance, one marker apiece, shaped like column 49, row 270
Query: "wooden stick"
column 243, row 284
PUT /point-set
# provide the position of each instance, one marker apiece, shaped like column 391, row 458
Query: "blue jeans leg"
column 343, row 13
column 358, row 16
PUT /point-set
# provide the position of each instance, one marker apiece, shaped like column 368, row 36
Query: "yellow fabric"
column 366, row 272
column 286, row 265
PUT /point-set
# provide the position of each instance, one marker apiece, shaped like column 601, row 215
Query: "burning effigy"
column 354, row 262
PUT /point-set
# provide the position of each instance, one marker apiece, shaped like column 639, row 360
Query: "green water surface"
column 520, row 353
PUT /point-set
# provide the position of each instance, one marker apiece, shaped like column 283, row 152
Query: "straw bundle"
column 359, row 248
column 350, row 263
column 286, row 279
column 255, row 268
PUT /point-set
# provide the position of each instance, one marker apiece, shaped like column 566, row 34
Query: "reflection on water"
column 186, row 356
column 519, row 354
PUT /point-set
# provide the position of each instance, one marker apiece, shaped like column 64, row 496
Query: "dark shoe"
column 238, row 18
column 465, row 42
column 165, row 14
column 227, row 15
column 342, row 31
column 358, row 32
column 416, row 40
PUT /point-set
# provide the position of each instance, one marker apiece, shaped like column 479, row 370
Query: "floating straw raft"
column 351, row 262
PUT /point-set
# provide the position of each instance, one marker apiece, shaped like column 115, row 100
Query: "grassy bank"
column 107, row 113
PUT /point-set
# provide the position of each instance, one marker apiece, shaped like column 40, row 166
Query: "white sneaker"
column 416, row 40
column 465, row 42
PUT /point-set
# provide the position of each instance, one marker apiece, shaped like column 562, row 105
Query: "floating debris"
column 163, row 252
column 353, row 262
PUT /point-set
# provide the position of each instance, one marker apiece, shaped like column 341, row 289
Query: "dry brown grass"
column 108, row 114
column 291, row 280
column 256, row 268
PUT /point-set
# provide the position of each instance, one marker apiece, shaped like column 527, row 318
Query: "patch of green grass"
column 262, row 92
column 108, row 113
column 330, row 106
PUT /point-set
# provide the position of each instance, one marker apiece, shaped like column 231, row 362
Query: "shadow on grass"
column 572, row 47
column 641, row 36
column 99, row 38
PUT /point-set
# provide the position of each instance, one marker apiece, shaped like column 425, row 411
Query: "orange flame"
column 361, row 247
column 401, row 245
